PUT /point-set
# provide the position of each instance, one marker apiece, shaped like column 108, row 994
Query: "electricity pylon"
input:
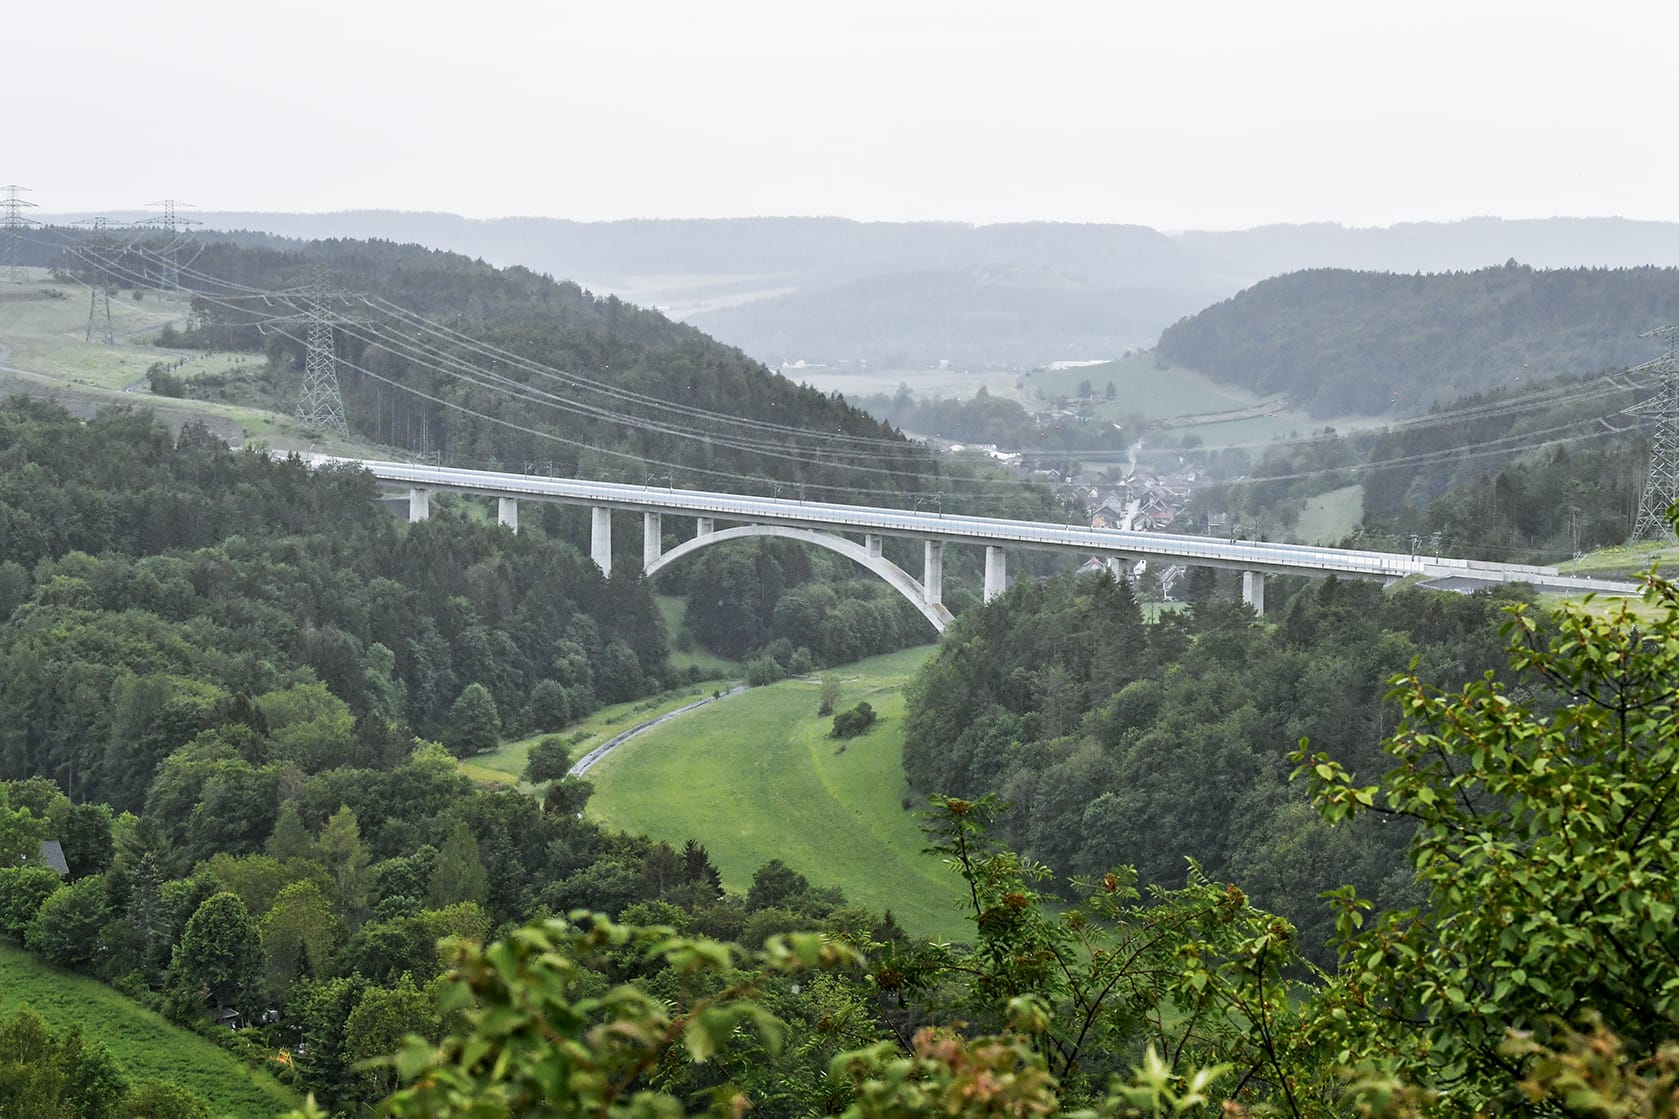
column 1661, row 487
column 321, row 405
column 99, row 303
column 176, row 227
column 12, row 225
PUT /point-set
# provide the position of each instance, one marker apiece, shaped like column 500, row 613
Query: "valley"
column 257, row 710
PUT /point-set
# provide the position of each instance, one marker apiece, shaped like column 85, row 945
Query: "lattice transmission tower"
column 12, row 225
column 97, row 252
column 176, row 226
column 1661, row 486
column 321, row 405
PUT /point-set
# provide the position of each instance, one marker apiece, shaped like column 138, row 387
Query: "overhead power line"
column 447, row 352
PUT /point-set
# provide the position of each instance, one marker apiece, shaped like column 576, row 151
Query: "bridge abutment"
column 419, row 505
column 507, row 512
column 996, row 572
column 1253, row 591
column 932, row 572
column 600, row 538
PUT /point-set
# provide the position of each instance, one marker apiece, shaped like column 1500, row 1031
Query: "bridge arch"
column 896, row 577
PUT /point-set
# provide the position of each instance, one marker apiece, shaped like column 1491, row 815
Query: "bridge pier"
column 704, row 526
column 932, row 572
column 996, row 572
column 507, row 512
column 419, row 505
column 872, row 542
column 600, row 538
column 652, row 539
column 1253, row 591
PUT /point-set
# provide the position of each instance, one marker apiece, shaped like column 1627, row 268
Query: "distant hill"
column 1245, row 256
column 1338, row 342
column 975, row 319
column 812, row 282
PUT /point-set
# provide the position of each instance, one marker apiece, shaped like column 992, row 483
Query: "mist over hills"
column 911, row 294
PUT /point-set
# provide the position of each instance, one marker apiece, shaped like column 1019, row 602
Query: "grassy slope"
column 755, row 777
column 147, row 1047
column 1329, row 517
column 47, row 340
column 674, row 610
column 1625, row 560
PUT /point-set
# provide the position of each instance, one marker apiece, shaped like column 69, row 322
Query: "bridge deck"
column 1243, row 555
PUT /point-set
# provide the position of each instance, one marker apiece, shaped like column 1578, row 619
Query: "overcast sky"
column 1173, row 115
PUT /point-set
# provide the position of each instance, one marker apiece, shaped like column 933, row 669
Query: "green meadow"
column 755, row 777
column 505, row 764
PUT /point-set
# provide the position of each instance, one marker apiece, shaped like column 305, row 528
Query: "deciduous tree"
column 474, row 725
column 70, row 926
column 1547, row 828
column 221, row 950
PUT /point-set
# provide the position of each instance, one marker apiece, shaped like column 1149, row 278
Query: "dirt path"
column 587, row 761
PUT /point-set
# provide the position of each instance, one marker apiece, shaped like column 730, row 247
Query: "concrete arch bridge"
column 858, row 532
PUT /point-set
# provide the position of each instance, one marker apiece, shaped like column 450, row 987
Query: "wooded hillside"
column 149, row 588
column 1338, row 342
column 440, row 354
column 1117, row 742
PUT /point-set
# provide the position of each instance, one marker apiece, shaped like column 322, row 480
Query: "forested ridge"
column 994, row 317
column 1010, row 292
column 1340, row 342
column 1529, row 475
column 716, row 412
column 1118, row 742
column 148, row 583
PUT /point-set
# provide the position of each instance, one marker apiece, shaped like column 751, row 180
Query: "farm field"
column 147, row 1046
column 1228, row 416
column 925, row 383
column 756, row 777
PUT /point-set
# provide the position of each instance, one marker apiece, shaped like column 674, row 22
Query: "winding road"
column 589, row 760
